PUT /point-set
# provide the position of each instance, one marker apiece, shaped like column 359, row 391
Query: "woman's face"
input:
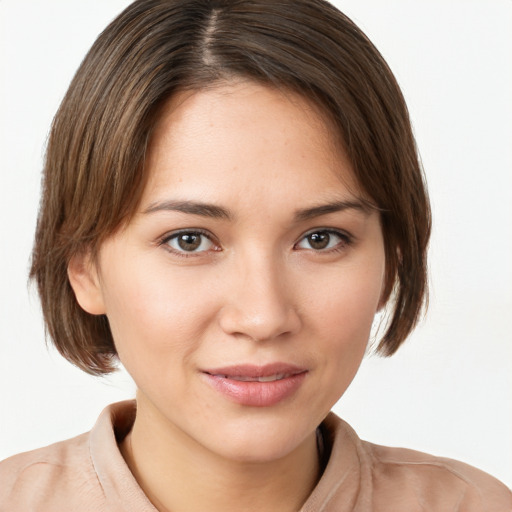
column 242, row 293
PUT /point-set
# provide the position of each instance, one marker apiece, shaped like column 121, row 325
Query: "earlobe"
column 84, row 279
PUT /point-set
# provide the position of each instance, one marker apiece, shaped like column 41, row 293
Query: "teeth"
column 271, row 378
column 266, row 378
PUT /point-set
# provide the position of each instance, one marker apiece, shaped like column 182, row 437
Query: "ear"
column 84, row 279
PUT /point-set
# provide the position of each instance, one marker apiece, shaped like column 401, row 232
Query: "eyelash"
column 345, row 241
column 186, row 254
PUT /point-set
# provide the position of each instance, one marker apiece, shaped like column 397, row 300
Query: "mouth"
column 246, row 378
column 257, row 386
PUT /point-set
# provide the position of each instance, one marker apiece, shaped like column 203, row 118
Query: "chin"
column 260, row 451
column 262, row 441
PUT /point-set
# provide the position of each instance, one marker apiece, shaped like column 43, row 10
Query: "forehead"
column 246, row 138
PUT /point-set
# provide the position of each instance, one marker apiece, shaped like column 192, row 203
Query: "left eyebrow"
column 335, row 206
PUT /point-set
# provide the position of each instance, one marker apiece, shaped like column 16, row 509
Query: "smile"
column 256, row 386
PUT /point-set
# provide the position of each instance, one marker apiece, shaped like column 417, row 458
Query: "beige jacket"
column 88, row 473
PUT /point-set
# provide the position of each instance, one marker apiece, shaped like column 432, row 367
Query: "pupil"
column 189, row 242
column 319, row 240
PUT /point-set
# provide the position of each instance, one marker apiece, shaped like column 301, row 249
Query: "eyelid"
column 347, row 240
column 163, row 241
column 346, row 237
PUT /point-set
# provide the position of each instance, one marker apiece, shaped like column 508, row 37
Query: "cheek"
column 342, row 317
column 347, row 306
column 154, row 315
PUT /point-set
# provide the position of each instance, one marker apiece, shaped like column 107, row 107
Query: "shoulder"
column 438, row 481
column 48, row 478
column 81, row 474
column 382, row 479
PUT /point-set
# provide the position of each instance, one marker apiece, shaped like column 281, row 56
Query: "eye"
column 189, row 242
column 323, row 240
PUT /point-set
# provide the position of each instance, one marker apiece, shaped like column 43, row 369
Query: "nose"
column 261, row 302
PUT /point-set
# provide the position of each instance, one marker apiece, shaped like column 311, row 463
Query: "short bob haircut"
column 94, row 171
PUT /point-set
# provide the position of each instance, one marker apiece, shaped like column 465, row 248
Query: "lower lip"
column 256, row 394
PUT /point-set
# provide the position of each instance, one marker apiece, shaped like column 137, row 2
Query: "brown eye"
column 189, row 241
column 319, row 240
column 323, row 240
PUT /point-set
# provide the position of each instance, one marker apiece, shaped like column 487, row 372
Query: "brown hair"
column 94, row 170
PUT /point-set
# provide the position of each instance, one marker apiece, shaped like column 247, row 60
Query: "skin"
column 256, row 290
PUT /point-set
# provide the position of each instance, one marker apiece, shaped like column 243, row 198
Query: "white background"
column 448, row 391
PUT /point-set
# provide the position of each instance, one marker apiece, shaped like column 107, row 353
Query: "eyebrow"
column 218, row 212
column 332, row 207
column 192, row 207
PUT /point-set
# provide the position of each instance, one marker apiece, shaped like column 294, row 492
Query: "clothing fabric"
column 88, row 473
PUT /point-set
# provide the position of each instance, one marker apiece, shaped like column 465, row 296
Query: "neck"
column 177, row 474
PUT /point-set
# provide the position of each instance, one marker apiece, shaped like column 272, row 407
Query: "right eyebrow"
column 192, row 207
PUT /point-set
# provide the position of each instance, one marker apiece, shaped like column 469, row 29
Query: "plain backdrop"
column 448, row 391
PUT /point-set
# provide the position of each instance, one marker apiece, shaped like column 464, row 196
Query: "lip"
column 256, row 386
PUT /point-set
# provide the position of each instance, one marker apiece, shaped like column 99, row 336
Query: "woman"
column 231, row 194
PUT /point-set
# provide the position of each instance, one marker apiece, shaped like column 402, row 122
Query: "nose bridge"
column 261, row 305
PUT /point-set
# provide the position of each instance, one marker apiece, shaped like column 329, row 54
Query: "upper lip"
column 255, row 371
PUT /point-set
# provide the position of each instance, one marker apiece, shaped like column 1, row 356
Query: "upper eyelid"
column 163, row 242
column 172, row 234
column 346, row 238
column 200, row 231
column 335, row 231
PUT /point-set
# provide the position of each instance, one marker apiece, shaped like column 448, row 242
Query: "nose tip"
column 261, row 310
column 256, row 325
